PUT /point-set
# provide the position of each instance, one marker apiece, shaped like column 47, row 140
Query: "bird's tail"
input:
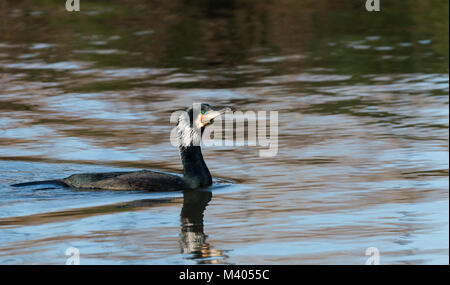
column 51, row 182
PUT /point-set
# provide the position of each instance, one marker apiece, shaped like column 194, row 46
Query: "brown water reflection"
column 363, row 130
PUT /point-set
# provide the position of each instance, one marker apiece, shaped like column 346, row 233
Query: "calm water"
column 363, row 130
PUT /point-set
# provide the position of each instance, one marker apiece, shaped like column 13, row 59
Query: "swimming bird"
column 190, row 127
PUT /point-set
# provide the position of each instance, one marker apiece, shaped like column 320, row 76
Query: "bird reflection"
column 192, row 236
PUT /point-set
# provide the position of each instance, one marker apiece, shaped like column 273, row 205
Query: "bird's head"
column 193, row 121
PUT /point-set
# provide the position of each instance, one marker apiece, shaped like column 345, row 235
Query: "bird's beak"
column 210, row 115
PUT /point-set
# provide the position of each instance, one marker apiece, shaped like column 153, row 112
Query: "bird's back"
column 136, row 180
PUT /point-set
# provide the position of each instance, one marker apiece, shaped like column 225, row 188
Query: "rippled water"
column 363, row 130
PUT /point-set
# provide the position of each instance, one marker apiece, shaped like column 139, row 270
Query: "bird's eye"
column 203, row 112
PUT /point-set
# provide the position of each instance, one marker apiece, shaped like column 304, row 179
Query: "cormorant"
column 189, row 128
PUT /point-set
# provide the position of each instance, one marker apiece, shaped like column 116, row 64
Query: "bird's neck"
column 195, row 171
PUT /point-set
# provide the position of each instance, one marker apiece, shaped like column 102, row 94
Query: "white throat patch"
column 187, row 135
